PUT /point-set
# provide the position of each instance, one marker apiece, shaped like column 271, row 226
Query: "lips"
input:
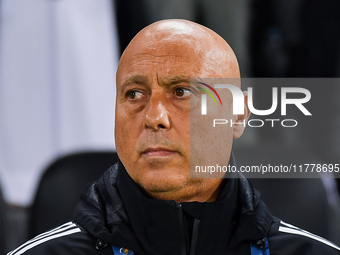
column 158, row 152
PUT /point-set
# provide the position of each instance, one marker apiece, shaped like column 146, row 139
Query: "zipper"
column 194, row 236
column 181, row 230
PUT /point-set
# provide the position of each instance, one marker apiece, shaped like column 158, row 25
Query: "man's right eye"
column 133, row 94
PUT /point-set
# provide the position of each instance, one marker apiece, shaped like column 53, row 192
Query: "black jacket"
column 115, row 211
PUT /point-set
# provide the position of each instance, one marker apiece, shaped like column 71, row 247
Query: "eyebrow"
column 135, row 79
column 180, row 79
column 144, row 80
column 175, row 79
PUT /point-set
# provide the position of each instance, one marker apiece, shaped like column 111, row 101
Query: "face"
column 153, row 114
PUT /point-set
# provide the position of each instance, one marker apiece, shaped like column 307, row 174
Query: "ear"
column 240, row 121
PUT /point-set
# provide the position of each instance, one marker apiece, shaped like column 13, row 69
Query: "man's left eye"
column 182, row 92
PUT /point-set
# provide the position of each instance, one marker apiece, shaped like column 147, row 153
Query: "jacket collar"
column 100, row 211
column 117, row 211
column 158, row 223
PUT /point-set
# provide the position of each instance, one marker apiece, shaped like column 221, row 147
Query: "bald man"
column 147, row 204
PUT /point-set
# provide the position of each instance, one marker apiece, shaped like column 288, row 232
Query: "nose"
column 156, row 116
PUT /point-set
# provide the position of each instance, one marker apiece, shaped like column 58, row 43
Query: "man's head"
column 154, row 101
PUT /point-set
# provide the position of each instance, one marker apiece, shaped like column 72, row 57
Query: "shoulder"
column 66, row 239
column 284, row 238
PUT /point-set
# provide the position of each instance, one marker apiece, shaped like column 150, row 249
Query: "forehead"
column 164, row 58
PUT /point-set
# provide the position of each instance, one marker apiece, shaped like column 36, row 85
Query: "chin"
column 162, row 182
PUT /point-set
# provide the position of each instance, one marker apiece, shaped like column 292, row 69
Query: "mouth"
column 158, row 152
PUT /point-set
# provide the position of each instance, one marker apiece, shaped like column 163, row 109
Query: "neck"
column 202, row 190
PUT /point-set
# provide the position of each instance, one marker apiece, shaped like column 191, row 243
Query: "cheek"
column 119, row 126
column 125, row 133
column 183, row 122
column 127, row 123
column 209, row 144
column 121, row 141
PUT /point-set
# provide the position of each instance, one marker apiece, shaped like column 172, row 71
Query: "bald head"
column 216, row 58
column 156, row 108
